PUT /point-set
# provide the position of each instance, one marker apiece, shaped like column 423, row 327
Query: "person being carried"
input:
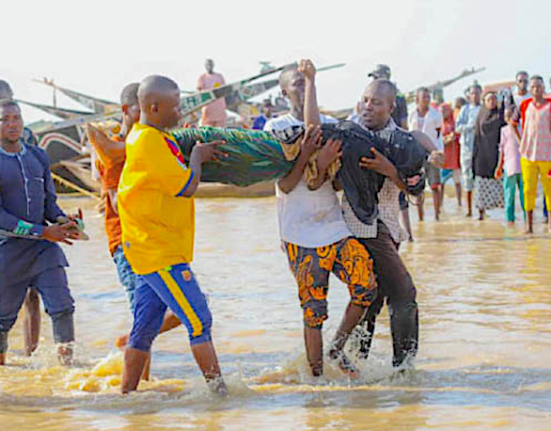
column 313, row 232
column 156, row 209
column 110, row 165
column 27, row 206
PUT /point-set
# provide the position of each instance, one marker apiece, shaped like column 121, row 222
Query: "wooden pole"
column 73, row 186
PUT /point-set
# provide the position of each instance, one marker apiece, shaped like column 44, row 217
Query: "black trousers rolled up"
column 396, row 286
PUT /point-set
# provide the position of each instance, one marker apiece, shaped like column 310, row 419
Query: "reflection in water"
column 485, row 305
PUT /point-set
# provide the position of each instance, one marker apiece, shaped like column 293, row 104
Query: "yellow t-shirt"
column 158, row 225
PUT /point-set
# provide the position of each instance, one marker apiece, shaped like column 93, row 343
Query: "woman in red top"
column 451, row 149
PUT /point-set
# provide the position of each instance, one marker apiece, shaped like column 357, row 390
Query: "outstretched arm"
column 436, row 157
column 332, row 149
column 311, row 110
column 108, row 150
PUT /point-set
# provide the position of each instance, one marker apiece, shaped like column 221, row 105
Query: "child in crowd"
column 508, row 166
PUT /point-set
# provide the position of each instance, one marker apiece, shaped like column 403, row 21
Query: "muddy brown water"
column 484, row 293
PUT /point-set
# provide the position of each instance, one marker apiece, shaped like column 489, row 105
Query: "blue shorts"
column 175, row 288
column 126, row 276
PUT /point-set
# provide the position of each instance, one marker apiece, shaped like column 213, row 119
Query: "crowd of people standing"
column 495, row 144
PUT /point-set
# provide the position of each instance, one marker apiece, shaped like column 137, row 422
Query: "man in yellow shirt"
column 156, row 208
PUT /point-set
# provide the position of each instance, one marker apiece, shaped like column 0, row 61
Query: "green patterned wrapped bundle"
column 253, row 155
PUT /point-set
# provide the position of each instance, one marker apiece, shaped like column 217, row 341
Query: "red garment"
column 451, row 150
column 524, row 106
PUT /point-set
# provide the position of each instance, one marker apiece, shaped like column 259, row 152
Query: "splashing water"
column 484, row 299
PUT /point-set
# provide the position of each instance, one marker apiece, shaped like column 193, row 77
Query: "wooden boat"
column 63, row 113
column 97, row 105
column 437, row 89
column 66, row 149
column 238, row 101
column 65, row 141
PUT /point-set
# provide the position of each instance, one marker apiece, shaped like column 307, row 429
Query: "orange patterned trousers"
column 347, row 259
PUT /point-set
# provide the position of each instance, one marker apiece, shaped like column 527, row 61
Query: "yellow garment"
column 530, row 173
column 158, row 227
column 291, row 152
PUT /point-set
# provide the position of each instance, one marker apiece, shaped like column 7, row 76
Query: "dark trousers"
column 396, row 286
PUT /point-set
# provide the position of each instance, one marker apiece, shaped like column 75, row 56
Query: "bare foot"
column 65, row 354
column 218, row 386
column 469, row 214
column 344, row 363
column 510, row 224
column 529, row 231
column 2, row 359
column 122, row 341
